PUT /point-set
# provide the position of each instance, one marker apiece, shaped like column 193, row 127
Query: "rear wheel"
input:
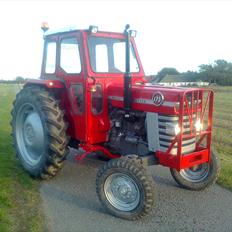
column 199, row 176
column 125, row 189
column 39, row 132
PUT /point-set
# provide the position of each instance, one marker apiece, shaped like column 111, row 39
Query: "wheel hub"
column 122, row 189
column 30, row 134
column 122, row 192
column 196, row 173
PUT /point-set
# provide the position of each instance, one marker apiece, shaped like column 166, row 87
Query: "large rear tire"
column 39, row 132
column 198, row 177
column 125, row 189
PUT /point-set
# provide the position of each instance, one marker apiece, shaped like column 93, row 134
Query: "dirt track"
column 70, row 204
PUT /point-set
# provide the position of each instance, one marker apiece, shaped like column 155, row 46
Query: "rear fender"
column 50, row 84
column 57, row 87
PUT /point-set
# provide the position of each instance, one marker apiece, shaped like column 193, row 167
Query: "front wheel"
column 199, row 176
column 125, row 189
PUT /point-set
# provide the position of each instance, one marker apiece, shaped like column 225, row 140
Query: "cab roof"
column 74, row 29
column 62, row 30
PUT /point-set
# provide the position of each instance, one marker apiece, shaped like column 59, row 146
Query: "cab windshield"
column 107, row 55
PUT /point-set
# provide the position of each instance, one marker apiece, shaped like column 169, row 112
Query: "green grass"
column 222, row 134
column 19, row 196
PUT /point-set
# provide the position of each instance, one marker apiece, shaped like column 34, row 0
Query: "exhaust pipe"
column 127, row 76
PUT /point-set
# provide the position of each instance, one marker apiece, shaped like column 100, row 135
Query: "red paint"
column 93, row 130
column 186, row 161
column 50, row 84
column 202, row 153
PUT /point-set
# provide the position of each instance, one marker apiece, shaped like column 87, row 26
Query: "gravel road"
column 70, row 204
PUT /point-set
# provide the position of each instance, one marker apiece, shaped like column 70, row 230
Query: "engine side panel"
column 152, row 131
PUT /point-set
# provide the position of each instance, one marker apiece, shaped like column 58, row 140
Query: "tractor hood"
column 148, row 97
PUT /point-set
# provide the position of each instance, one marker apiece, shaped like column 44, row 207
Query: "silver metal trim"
column 171, row 137
column 184, row 142
column 143, row 101
column 169, row 104
column 186, row 149
column 174, row 123
column 122, row 192
column 152, row 131
column 148, row 101
column 174, row 118
column 196, row 173
column 117, row 98
column 165, row 131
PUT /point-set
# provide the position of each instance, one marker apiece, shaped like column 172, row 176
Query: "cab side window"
column 50, row 65
column 69, row 56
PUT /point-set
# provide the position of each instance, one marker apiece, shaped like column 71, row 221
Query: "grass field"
column 222, row 136
column 19, row 197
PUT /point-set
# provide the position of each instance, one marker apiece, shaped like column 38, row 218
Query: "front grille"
column 166, row 126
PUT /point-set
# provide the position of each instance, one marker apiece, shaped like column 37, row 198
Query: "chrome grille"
column 167, row 134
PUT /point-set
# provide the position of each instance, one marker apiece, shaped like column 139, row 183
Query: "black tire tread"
column 55, row 126
column 211, row 179
column 133, row 165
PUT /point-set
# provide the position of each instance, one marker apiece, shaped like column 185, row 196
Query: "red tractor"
column 93, row 95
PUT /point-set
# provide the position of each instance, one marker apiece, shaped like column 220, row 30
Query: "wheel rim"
column 29, row 134
column 196, row 173
column 122, row 192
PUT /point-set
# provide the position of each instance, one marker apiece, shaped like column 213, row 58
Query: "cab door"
column 70, row 69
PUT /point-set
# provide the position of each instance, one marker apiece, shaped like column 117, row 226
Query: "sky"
column 179, row 34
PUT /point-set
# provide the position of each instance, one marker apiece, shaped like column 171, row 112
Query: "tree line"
column 219, row 72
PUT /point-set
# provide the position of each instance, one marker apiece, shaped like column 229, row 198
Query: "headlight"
column 198, row 125
column 172, row 128
column 177, row 129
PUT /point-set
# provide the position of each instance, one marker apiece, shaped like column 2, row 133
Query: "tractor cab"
column 87, row 62
column 92, row 94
